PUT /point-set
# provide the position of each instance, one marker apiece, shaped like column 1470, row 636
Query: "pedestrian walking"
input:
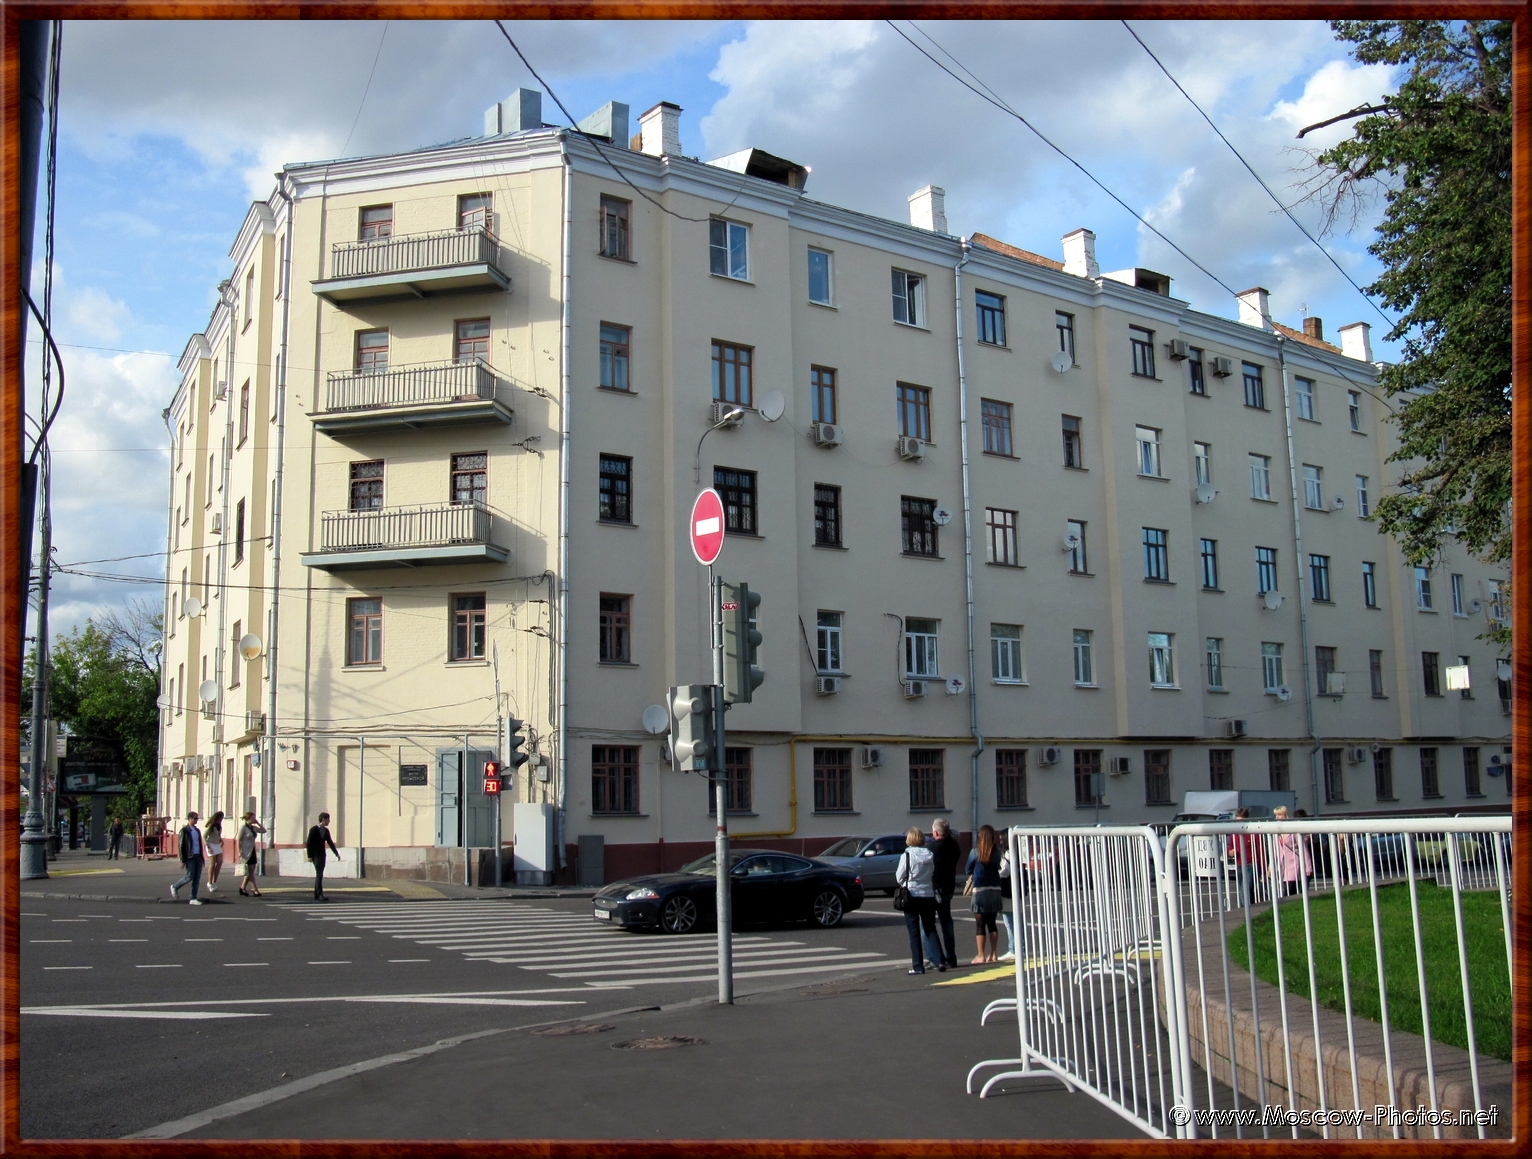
column 1006, row 925
column 115, row 852
column 247, row 843
column 1292, row 856
column 945, row 854
column 914, row 872
column 984, row 868
column 1248, row 852
column 319, row 837
column 193, row 853
column 213, row 831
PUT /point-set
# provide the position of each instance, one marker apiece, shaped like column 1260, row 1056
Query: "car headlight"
column 643, row 893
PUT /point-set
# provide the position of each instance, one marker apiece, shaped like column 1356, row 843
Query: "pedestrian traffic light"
column 741, row 639
column 492, row 778
column 514, row 758
column 691, row 726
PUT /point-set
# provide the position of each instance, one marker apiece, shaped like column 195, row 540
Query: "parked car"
column 874, row 859
column 767, row 887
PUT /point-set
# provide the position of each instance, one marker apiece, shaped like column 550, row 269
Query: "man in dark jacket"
column 193, row 853
column 319, row 837
column 946, row 852
column 115, row 852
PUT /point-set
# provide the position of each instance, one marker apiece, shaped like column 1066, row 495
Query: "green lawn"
column 1483, row 934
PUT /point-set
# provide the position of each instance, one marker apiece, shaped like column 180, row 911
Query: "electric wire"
column 367, row 88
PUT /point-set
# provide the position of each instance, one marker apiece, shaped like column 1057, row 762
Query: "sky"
column 168, row 130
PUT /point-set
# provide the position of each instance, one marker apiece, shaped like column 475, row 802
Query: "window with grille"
column 1001, row 525
column 996, row 417
column 1431, row 673
column 1141, row 343
column 1265, row 570
column 470, row 478
column 732, row 366
column 367, row 485
column 1260, row 476
column 1375, row 671
column 1213, row 650
column 917, row 525
column 1195, row 369
column 1010, row 778
column 364, row 639
column 614, row 779
column 1005, row 654
column 828, row 654
column 616, row 489
column 1383, row 774
column 832, row 781
column 1271, row 667
column 1157, row 554
column 1065, row 324
column 1319, row 577
column 1089, row 783
column 990, row 309
column 614, row 228
column 826, row 515
column 914, row 411
column 737, row 766
column 1209, row 557
column 1370, row 583
column 920, row 656
column 376, row 223
column 1220, row 769
column 616, row 629
column 927, row 784
column 1430, row 785
column 1162, row 660
column 1335, row 776
column 821, row 284
column 468, row 612
column 737, row 490
column 909, row 298
column 1157, row 777
column 1255, row 387
column 1073, row 456
column 1279, row 769
column 473, row 211
column 729, row 249
column 822, row 408
column 1085, row 671
column 1304, row 392
column 371, row 351
column 614, row 357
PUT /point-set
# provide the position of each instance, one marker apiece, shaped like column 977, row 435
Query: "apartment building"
column 1017, row 521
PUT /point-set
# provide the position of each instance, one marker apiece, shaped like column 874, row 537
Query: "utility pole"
column 717, row 772
column 499, row 759
column 34, row 835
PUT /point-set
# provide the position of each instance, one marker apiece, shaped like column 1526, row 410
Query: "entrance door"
column 460, row 801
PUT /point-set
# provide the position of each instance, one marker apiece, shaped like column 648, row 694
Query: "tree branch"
column 1359, row 111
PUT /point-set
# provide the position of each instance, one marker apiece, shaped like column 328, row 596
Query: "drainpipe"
column 225, row 291
column 973, row 683
column 269, row 804
column 166, row 733
column 563, row 588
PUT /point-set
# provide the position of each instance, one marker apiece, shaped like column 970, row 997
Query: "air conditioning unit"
column 220, row 391
column 827, row 685
column 722, row 411
column 1121, row 765
column 826, row 434
column 218, row 523
column 176, row 769
column 1498, row 765
column 1356, row 754
column 1178, row 349
column 914, row 688
column 911, row 449
column 209, row 709
column 1236, row 727
column 1050, row 755
column 1335, row 684
column 255, row 721
column 1223, row 367
column 872, row 756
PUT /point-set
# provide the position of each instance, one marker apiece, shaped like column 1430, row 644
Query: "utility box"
column 592, row 859
column 533, row 828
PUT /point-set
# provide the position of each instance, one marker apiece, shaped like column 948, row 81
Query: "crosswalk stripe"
column 625, row 983
column 648, row 953
column 774, row 961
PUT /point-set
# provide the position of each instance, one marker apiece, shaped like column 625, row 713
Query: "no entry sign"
column 706, row 527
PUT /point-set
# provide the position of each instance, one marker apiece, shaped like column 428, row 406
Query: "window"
column 1005, row 654
column 927, row 784
column 917, row 522
column 1457, row 596
column 1255, row 388
column 372, row 351
column 376, row 223
column 997, row 426
column 1072, row 450
column 909, row 298
column 1265, row 570
column 614, row 779
column 207, row 500
column 1209, row 551
column 828, row 655
column 729, row 248
column 614, row 228
column 1335, row 776
column 470, row 478
column 1354, row 407
column 614, row 357
column 1375, row 672
column 1141, row 343
column 1431, row 673
column 990, row 309
column 826, row 515
column 736, row 779
column 616, row 489
column 473, row 211
column 364, row 641
column 1324, row 668
column 1214, row 653
column 1430, row 785
column 1002, row 536
column 236, row 661
column 1220, row 769
column 181, row 669
column 1471, row 787
column 367, row 486
column 1363, row 507
column 616, row 629
column 1305, row 391
column 1195, row 369
column 1370, row 583
column 1065, row 323
column 1162, row 662
column 1319, row 577
column 1089, row 784
column 472, row 343
column 244, row 419
column 1156, row 554
column 1498, row 604
column 1010, row 778
column 1157, row 777
column 1085, row 670
column 187, row 499
column 1383, row 774
column 822, row 408
column 1260, row 476
column 1279, row 769
column 737, row 490
column 239, row 531
column 1075, row 534
column 1313, row 487
column 832, row 780
column 914, row 411
column 1423, row 589
column 1271, row 667
column 821, row 268
column 732, row 367
column 1465, row 692
column 468, row 627
column 1202, row 463
column 1148, row 440
column 920, row 660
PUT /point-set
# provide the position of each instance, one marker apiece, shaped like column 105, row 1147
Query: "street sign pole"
column 717, row 773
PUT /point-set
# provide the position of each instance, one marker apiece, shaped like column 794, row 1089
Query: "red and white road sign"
column 706, row 526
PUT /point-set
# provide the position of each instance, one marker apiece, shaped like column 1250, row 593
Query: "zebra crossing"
column 572, row 948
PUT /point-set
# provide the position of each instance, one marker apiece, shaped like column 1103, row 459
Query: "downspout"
column 224, row 291
column 973, row 683
column 1303, row 614
column 563, row 597
column 269, row 804
column 170, row 533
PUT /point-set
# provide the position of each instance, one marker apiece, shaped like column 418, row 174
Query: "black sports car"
column 768, row 887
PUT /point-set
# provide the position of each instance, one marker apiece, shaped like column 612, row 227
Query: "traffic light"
column 514, row 759
column 740, row 640
column 691, row 726
column 492, row 778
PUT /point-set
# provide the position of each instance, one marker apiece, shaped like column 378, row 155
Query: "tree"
column 1439, row 150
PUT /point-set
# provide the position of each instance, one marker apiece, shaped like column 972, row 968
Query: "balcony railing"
column 415, row 251
column 424, row 385
column 440, row 525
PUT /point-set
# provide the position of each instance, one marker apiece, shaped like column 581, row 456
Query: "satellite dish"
column 1061, row 362
column 1071, row 542
column 192, row 607
column 1475, row 605
column 1205, row 493
column 163, row 700
column 656, row 720
column 942, row 516
column 1503, row 670
column 1284, row 693
column 955, row 685
column 208, row 690
column 1272, row 600
column 1339, row 502
column 773, row 403
column 250, row 645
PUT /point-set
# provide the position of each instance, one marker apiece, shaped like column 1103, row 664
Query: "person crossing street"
column 319, row 837
column 193, row 854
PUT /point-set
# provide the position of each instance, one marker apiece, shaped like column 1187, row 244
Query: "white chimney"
column 1080, row 254
column 659, row 130
column 1356, row 341
column 928, row 209
column 1255, row 308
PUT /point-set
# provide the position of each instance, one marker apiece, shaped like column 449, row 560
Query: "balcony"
column 405, row 537
column 432, row 395
column 417, row 265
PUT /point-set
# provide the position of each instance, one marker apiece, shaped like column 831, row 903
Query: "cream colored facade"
column 417, row 706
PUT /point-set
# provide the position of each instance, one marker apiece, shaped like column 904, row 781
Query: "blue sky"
column 168, row 130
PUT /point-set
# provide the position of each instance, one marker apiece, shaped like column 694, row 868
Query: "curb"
column 49, row 895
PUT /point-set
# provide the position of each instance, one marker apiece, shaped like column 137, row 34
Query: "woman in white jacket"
column 916, row 871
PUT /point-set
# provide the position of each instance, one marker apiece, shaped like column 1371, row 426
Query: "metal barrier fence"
column 1259, row 979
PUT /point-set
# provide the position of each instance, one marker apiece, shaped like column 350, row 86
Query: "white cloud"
column 1338, row 87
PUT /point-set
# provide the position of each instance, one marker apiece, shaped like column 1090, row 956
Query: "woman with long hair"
column 213, row 832
column 984, row 866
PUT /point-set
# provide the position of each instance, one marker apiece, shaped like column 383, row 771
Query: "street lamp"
column 729, row 418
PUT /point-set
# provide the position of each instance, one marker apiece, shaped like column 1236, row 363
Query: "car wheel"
column 828, row 909
column 679, row 915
